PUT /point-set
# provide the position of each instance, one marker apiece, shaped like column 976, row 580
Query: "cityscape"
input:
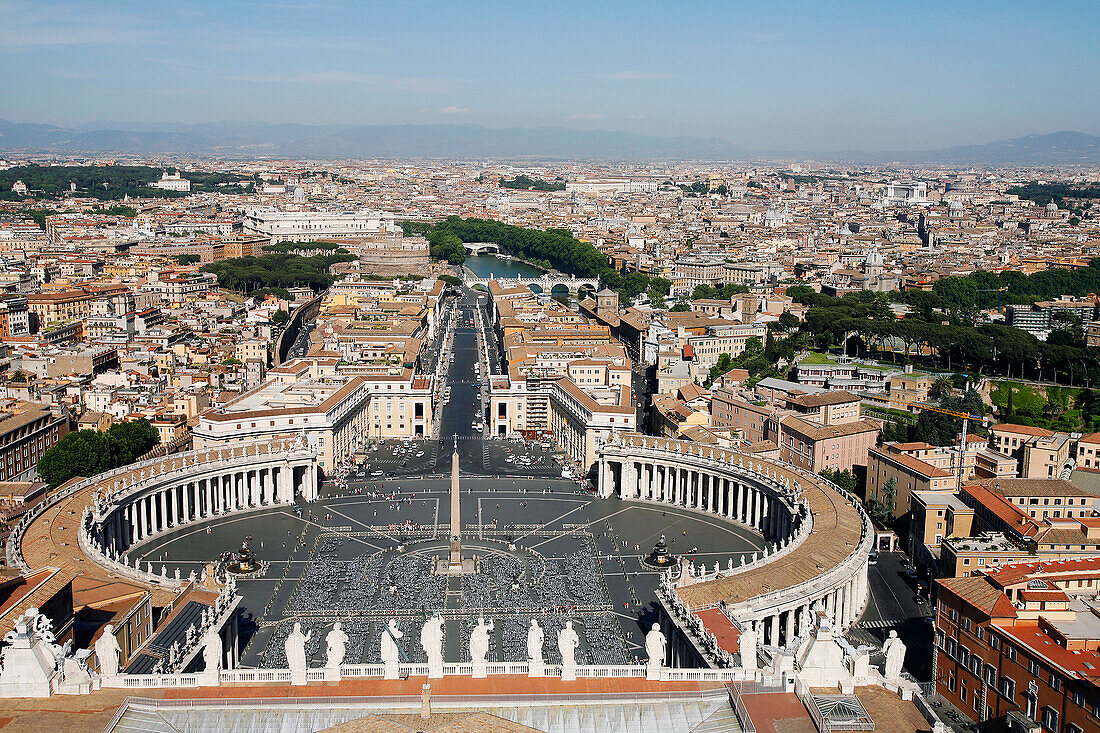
column 522, row 384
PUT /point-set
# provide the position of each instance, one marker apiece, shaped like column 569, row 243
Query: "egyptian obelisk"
column 457, row 566
column 456, row 518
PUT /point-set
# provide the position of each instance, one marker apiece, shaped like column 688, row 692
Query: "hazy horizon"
column 808, row 76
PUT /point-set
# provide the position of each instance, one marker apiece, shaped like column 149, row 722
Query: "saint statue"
column 747, row 647
column 295, row 646
column 212, row 650
column 107, row 652
column 894, row 648
column 655, row 647
column 479, row 641
column 568, row 641
column 535, row 637
column 390, row 635
column 336, row 644
column 431, row 639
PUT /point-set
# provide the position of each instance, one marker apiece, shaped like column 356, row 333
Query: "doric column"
column 791, row 612
column 161, row 501
column 775, row 629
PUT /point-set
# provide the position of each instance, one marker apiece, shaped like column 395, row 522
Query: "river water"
column 486, row 265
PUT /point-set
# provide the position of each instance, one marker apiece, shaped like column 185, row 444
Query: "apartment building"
column 1039, row 453
column 26, row 432
column 1019, row 647
column 904, row 464
column 816, row 447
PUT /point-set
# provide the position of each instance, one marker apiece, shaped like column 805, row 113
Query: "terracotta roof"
column 915, row 465
column 823, row 398
column 1022, row 429
column 1033, row 487
column 824, row 432
column 980, row 593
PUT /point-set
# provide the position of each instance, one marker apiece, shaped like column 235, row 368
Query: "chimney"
column 426, row 702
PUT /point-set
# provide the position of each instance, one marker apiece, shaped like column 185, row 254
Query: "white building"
column 598, row 186
column 906, row 194
column 305, row 226
column 172, row 182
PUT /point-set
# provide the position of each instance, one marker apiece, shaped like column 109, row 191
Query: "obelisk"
column 455, row 566
column 456, row 521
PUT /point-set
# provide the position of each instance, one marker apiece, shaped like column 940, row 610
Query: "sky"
column 812, row 76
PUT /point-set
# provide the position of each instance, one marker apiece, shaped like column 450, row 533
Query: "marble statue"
column 805, row 621
column 568, row 641
column 212, row 651
column 431, row 639
column 535, row 638
column 894, row 649
column 655, row 647
column 390, row 650
column 747, row 647
column 479, row 646
column 107, row 651
column 295, row 646
column 336, row 644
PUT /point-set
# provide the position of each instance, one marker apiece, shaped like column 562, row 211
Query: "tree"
column 942, row 386
column 681, row 306
column 280, row 317
column 882, row 508
column 450, row 280
column 88, row 452
column 188, row 259
column 129, row 441
column 723, row 365
column 788, row 320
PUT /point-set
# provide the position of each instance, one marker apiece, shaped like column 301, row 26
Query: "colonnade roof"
column 837, row 530
column 51, row 541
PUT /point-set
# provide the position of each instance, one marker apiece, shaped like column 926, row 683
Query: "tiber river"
column 485, row 265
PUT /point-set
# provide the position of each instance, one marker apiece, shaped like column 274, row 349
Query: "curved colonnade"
column 127, row 507
column 819, row 537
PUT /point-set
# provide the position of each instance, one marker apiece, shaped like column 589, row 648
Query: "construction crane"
column 966, row 417
column 998, row 291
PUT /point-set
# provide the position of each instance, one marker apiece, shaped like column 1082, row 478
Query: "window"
column 1050, row 719
column 1008, row 687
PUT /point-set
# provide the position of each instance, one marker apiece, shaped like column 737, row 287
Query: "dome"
column 1052, row 207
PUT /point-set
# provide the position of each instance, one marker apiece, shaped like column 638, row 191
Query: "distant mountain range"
column 245, row 140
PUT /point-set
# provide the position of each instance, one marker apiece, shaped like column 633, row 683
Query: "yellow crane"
column 966, row 417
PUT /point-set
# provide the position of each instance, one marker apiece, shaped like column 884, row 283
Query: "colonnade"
column 167, row 506
column 198, row 486
column 781, row 598
column 727, row 496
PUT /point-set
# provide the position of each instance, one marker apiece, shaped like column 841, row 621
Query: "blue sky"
column 792, row 75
